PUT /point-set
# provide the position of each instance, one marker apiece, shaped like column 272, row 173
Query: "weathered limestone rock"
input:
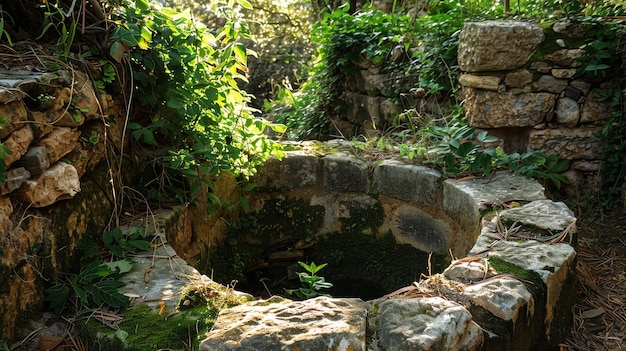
column 566, row 57
column 59, row 142
column 344, row 173
column 563, row 73
column 18, row 143
column 541, row 67
column 297, row 169
column 497, row 45
column 593, row 109
column 518, row 79
column 503, row 297
column 58, row 182
column 567, row 112
column 412, row 183
column 487, row 109
column 554, row 264
column 14, row 112
column 35, row 161
column 431, row 323
column 571, row 144
column 14, row 179
column 479, row 82
column 280, row 324
column 86, row 99
column 550, row 84
column 464, row 200
column 542, row 214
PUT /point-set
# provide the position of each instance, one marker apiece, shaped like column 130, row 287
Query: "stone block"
column 59, row 142
column 85, row 98
column 35, row 160
column 296, row 170
column 503, row 297
column 541, row 214
column 518, row 79
column 567, row 112
column 553, row 264
column 550, row 84
column 594, row 109
column 479, row 82
column 430, row 323
column 407, row 182
column 571, row 144
column 464, row 200
column 345, row 174
column 566, row 57
column 14, row 179
column 563, row 73
column 56, row 183
column 278, row 324
column 487, row 109
column 497, row 45
column 18, row 142
column 14, row 112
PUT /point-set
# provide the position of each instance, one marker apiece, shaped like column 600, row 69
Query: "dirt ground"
column 600, row 313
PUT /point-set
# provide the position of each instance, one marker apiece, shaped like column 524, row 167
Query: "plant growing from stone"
column 311, row 283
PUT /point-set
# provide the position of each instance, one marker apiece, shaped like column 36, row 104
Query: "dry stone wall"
column 55, row 128
column 524, row 83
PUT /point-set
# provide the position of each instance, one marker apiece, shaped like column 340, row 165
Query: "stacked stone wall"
column 55, row 129
column 527, row 85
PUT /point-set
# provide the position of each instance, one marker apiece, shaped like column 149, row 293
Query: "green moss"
column 373, row 312
column 144, row 329
column 502, row 266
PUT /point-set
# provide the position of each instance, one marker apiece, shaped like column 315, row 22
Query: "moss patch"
column 502, row 266
column 144, row 329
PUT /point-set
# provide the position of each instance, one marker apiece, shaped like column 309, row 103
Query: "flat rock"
column 542, row 214
column 431, row 323
column 281, row 324
column 503, row 297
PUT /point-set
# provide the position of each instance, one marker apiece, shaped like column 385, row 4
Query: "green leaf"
column 106, row 291
column 57, row 295
column 121, row 266
column 117, row 51
column 245, row 4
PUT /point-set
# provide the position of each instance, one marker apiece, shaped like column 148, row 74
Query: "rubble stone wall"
column 55, row 129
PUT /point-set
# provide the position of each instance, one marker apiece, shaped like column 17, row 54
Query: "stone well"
column 508, row 252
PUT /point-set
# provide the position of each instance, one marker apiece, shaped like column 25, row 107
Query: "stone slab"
column 280, row 324
column 431, row 323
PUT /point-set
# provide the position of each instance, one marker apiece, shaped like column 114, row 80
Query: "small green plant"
column 3, row 32
column 121, row 244
column 64, row 23
column 311, row 283
column 458, row 148
column 97, row 283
